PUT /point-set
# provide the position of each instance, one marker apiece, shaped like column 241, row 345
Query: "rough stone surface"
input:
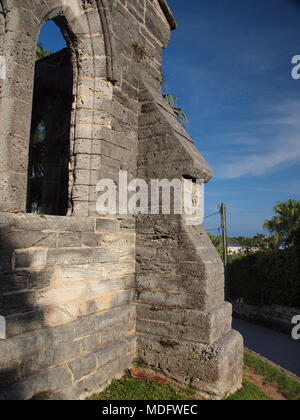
column 83, row 296
column 276, row 317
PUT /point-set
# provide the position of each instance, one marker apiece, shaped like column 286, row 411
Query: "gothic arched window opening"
column 49, row 151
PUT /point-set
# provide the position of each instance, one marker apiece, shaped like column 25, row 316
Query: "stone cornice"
column 168, row 13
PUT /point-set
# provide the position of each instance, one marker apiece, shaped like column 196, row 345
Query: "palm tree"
column 275, row 241
column 286, row 221
column 41, row 52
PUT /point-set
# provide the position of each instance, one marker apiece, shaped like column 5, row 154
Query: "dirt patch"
column 260, row 381
column 147, row 375
column 267, row 388
column 150, row 375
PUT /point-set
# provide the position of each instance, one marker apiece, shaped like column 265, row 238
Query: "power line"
column 213, row 229
column 211, row 215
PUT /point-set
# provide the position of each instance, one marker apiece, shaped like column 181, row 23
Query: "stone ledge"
column 275, row 317
column 31, row 222
column 181, row 324
column 168, row 13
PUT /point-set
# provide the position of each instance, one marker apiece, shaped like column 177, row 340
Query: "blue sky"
column 229, row 63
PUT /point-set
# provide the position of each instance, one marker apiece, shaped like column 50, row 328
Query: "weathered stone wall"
column 68, row 283
column 276, row 317
column 67, row 286
column 183, row 325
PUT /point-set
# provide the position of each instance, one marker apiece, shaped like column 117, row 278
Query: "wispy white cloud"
column 291, row 187
column 286, row 113
column 279, row 145
column 279, row 121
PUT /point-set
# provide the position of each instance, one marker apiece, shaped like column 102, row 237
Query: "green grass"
column 249, row 392
column 288, row 387
column 134, row 390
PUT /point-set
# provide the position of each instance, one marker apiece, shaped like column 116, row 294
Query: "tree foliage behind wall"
column 41, row 52
column 218, row 244
column 267, row 278
column 286, row 221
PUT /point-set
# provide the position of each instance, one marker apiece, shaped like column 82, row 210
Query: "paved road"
column 277, row 347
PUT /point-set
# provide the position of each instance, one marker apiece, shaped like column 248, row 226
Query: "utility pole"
column 223, row 213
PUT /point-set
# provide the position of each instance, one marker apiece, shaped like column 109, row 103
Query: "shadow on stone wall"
column 18, row 305
column 19, row 282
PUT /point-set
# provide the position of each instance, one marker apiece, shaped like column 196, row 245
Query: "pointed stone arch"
column 86, row 30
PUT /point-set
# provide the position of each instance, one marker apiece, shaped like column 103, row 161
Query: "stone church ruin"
column 82, row 296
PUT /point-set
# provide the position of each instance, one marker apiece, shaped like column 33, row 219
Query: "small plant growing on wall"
column 179, row 113
column 140, row 50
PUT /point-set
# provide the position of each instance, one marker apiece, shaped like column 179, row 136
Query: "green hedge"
column 267, row 278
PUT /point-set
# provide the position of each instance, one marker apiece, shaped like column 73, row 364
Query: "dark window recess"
column 49, row 151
